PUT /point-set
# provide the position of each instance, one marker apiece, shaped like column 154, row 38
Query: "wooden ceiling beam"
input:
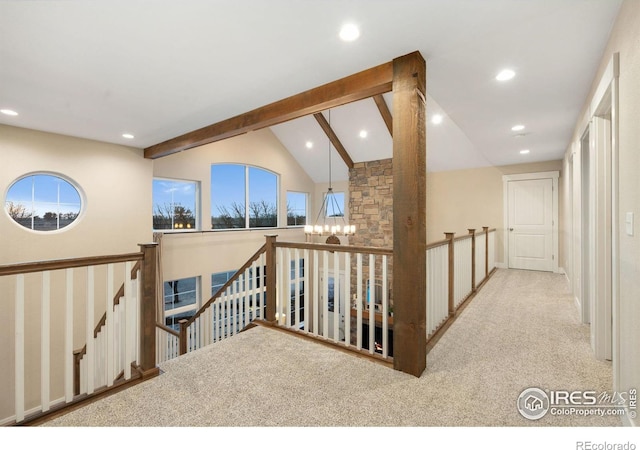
column 384, row 112
column 368, row 83
column 326, row 127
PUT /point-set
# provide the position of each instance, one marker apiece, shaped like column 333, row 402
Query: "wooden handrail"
column 42, row 266
column 438, row 244
column 336, row 248
column 171, row 331
column 462, row 238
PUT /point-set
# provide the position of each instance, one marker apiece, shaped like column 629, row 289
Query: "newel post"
column 472, row 232
column 148, row 309
column 486, row 251
column 451, row 275
column 183, row 335
column 271, row 277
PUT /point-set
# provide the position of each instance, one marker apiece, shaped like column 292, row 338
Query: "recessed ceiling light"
column 524, row 152
column 517, row 128
column 128, row 136
column 349, row 32
column 436, row 119
column 505, row 75
column 363, row 134
column 8, row 112
column 309, row 144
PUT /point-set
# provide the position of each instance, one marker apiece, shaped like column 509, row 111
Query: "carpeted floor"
column 520, row 331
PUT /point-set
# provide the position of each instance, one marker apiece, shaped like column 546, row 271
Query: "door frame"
column 606, row 329
column 553, row 175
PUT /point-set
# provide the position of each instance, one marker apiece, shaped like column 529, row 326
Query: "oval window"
column 43, row 202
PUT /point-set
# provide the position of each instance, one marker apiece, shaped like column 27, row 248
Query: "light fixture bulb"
column 349, row 32
column 505, row 75
column 128, row 136
column 309, row 144
column 524, row 152
column 437, row 119
column 8, row 112
column 363, row 134
column 517, row 128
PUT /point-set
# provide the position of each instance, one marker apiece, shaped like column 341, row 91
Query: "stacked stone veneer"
column 371, row 211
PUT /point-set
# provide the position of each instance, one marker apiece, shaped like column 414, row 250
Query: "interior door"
column 336, row 308
column 531, row 224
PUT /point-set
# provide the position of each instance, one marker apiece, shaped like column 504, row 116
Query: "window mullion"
column 247, row 219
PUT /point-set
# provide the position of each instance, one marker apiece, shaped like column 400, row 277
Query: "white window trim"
column 197, row 207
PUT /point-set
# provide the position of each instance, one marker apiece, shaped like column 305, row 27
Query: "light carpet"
column 520, row 331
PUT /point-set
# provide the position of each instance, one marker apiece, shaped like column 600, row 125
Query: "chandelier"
column 333, row 225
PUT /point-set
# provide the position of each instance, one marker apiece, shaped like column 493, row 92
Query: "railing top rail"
column 171, row 331
column 463, row 237
column 335, row 248
column 58, row 264
column 437, row 244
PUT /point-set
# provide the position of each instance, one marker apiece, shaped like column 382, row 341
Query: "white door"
column 336, row 308
column 530, row 224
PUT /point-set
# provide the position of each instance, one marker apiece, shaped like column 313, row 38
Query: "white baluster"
column 45, row 336
column 19, row 346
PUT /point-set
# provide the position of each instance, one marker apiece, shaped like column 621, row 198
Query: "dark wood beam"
column 359, row 86
column 384, row 112
column 326, row 127
column 409, row 214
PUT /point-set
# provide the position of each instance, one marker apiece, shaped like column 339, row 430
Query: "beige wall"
column 115, row 180
column 625, row 39
column 116, row 183
column 472, row 198
column 203, row 253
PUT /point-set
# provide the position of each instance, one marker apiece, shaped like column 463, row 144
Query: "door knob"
column 510, row 229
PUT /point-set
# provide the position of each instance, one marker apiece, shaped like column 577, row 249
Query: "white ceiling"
column 158, row 69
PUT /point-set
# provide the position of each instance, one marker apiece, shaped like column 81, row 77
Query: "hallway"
column 520, row 331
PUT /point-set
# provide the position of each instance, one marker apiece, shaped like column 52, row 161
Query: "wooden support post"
column 409, row 214
column 183, row 336
column 486, row 251
column 270, row 315
column 451, row 275
column 472, row 232
column 148, row 310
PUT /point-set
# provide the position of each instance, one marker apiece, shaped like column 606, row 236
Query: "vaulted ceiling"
column 159, row 69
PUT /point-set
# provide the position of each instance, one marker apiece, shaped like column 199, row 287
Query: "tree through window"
column 43, row 202
column 243, row 197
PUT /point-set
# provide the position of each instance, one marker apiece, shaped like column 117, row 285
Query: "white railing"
column 480, row 253
column 167, row 343
column 110, row 350
column 437, row 286
column 492, row 250
column 55, row 307
column 334, row 293
column 463, row 285
column 227, row 313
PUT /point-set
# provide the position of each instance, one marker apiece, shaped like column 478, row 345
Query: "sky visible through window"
column 243, row 196
column 45, row 193
column 174, row 204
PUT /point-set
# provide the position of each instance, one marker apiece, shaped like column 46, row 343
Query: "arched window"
column 43, row 202
column 243, row 197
